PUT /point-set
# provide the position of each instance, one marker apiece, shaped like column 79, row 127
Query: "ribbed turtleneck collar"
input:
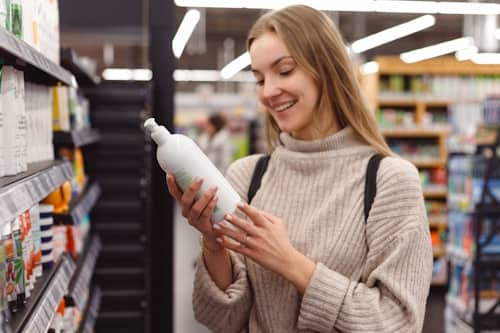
column 342, row 139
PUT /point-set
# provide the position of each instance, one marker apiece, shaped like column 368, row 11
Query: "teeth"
column 284, row 106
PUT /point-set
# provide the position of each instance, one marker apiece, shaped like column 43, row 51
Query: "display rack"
column 84, row 75
column 20, row 192
column 488, row 207
column 80, row 207
column 76, row 138
column 80, row 282
column 37, row 68
column 420, row 94
column 37, row 314
column 91, row 312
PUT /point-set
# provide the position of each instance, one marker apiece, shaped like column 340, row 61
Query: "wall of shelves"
column 412, row 103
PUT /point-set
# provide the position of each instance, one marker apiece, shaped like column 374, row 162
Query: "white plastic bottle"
column 180, row 156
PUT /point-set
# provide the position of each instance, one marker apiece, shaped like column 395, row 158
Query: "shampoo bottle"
column 180, row 156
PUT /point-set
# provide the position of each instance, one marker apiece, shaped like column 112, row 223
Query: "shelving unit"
column 85, row 265
column 417, row 97
column 36, row 67
column 81, row 206
column 76, row 138
column 20, row 192
column 35, row 317
column 84, row 75
column 91, row 312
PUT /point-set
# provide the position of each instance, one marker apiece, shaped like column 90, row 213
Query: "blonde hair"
column 317, row 47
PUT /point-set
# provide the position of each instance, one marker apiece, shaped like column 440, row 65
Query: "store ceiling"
column 120, row 25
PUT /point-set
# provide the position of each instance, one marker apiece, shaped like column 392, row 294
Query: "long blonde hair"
column 316, row 45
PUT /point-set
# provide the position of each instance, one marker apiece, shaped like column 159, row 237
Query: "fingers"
column 240, row 237
column 254, row 214
column 189, row 195
column 173, row 189
column 204, row 206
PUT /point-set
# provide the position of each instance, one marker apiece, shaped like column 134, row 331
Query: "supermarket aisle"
column 186, row 250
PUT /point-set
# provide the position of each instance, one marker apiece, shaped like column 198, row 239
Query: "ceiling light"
column 186, row 28
column 466, row 54
column 127, row 74
column 486, row 58
column 370, row 67
column 207, row 75
column 235, row 66
column 382, row 6
column 437, row 50
column 396, row 32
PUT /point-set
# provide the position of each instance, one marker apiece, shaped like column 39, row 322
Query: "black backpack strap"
column 371, row 182
column 258, row 173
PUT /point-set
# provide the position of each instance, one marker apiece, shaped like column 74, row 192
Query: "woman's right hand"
column 197, row 212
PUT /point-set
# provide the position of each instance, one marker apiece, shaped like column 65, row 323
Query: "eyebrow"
column 274, row 63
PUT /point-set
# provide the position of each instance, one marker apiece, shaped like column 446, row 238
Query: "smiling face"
column 289, row 94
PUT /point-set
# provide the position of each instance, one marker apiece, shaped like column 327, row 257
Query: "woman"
column 215, row 142
column 307, row 261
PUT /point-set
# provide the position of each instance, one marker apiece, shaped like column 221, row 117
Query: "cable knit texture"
column 372, row 277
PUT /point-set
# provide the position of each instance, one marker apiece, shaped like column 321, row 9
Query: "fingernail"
column 200, row 180
column 240, row 204
column 216, row 226
column 228, row 217
column 219, row 240
column 213, row 189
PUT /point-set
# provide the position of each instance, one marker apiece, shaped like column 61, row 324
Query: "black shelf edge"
column 487, row 209
column 91, row 312
column 72, row 62
column 76, row 138
column 85, row 266
column 81, row 207
column 20, row 192
column 44, row 299
column 36, row 67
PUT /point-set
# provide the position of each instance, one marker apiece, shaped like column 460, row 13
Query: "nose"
column 270, row 89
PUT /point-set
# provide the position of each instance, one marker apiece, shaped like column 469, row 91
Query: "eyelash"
column 286, row 73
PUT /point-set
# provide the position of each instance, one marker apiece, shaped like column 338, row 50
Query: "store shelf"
column 19, row 193
column 487, row 209
column 86, row 263
column 438, row 252
column 80, row 207
column 410, row 100
column 415, row 132
column 427, row 163
column 76, row 138
column 439, row 283
column 438, row 221
column 72, row 62
column 36, row 67
column 37, row 314
column 435, row 192
column 91, row 312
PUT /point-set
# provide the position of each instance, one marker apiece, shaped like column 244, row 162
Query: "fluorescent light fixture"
column 382, row 6
column 370, row 67
column 127, row 74
column 437, row 50
column 235, row 66
column 396, row 32
column 186, row 28
column 486, row 58
column 497, row 34
column 466, row 54
column 207, row 75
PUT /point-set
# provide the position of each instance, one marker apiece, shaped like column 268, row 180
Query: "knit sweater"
column 372, row 277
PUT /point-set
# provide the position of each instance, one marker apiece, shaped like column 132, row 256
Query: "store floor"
column 186, row 251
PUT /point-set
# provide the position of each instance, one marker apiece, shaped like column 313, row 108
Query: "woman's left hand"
column 266, row 242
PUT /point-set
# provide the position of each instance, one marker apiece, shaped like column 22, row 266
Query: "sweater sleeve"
column 392, row 292
column 228, row 310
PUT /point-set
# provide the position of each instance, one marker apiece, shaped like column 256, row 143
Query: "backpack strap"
column 258, row 173
column 371, row 182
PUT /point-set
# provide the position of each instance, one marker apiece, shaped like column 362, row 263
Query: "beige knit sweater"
column 368, row 278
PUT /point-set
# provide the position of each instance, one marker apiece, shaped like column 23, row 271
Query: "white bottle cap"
column 158, row 133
